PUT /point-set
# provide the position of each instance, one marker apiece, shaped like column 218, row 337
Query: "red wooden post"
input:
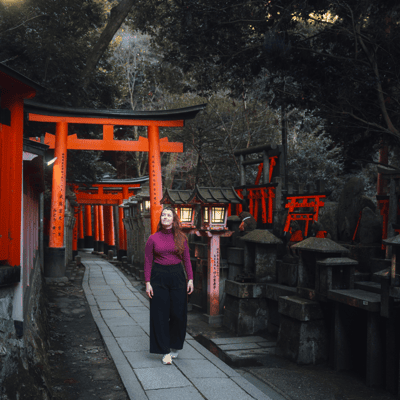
column 58, row 187
column 88, row 227
column 101, row 230
column 96, row 228
column 213, row 276
column 111, row 244
column 55, row 264
column 81, row 236
column 109, row 237
column 13, row 145
column 155, row 176
column 106, row 216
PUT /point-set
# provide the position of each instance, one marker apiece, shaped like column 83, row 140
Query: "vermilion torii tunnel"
column 61, row 142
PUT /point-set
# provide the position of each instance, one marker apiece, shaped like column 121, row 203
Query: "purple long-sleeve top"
column 160, row 248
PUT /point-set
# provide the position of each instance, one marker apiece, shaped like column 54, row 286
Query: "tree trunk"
column 117, row 17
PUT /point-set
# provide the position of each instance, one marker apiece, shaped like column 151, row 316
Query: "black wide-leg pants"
column 168, row 308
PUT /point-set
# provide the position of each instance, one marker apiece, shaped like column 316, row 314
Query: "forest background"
column 323, row 74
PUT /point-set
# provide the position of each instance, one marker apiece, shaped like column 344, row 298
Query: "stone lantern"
column 310, row 272
column 260, row 253
column 143, row 229
column 214, row 203
column 130, row 209
column 246, row 310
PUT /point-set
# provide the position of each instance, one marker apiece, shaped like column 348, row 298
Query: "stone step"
column 275, row 290
column 379, row 276
column 242, row 351
column 357, row 298
column 368, row 286
column 361, row 276
column 378, row 264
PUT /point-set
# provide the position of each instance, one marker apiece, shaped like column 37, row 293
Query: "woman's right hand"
column 149, row 290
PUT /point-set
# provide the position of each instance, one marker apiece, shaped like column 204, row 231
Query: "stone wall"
column 24, row 369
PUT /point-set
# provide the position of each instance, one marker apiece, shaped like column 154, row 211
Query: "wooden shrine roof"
column 34, row 107
column 19, row 77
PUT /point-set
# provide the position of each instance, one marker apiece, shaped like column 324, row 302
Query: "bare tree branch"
column 117, row 17
column 24, row 22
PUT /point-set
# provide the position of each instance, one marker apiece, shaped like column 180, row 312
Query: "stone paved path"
column 122, row 316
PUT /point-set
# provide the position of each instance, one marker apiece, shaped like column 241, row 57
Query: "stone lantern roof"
column 176, row 196
column 261, row 236
column 393, row 241
column 144, row 192
column 320, row 245
column 216, row 195
column 337, row 262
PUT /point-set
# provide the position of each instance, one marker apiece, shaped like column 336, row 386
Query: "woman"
column 166, row 286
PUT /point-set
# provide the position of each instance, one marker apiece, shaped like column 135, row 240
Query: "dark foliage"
column 340, row 57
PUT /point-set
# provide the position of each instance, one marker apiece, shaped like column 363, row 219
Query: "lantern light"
column 186, row 214
column 147, row 205
column 205, row 214
column 218, row 215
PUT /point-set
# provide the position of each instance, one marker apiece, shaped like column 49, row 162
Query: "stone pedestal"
column 335, row 273
column 302, row 336
column 213, row 320
column 54, row 262
column 121, row 254
column 139, row 273
column 246, row 311
column 287, row 272
column 260, row 254
column 235, row 258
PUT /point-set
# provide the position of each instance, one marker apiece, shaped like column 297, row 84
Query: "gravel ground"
column 82, row 369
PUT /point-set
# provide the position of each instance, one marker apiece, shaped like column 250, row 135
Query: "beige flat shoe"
column 167, row 360
column 174, row 353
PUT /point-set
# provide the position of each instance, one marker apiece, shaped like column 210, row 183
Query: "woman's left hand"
column 190, row 286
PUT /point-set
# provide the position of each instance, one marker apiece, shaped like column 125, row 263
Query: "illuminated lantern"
column 177, row 199
column 214, row 205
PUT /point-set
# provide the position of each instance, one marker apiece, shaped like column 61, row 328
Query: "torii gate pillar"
column 154, row 176
column 55, row 253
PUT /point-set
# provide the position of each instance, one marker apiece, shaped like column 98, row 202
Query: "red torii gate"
column 62, row 116
column 103, row 195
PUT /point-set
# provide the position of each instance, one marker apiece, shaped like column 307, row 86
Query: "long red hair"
column 179, row 237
